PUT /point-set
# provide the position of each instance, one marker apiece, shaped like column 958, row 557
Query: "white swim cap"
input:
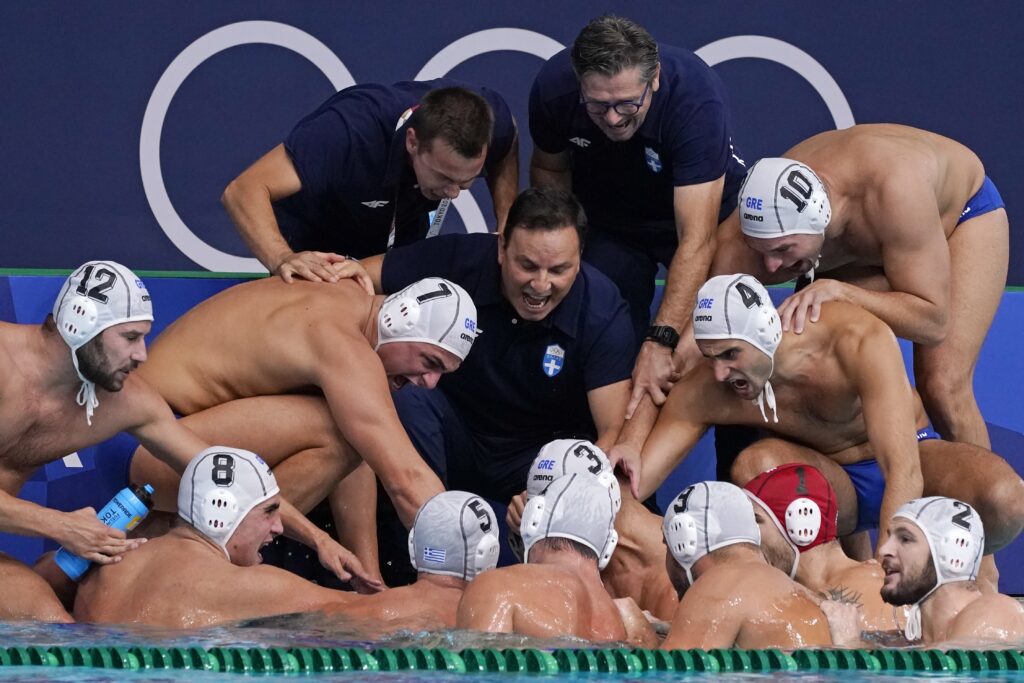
column 558, row 458
column 739, row 307
column 956, row 538
column 577, row 507
column 98, row 295
column 783, row 197
column 455, row 534
column 570, row 456
column 705, row 517
column 220, row 487
column 431, row 310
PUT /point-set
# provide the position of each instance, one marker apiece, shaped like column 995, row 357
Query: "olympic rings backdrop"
column 123, row 121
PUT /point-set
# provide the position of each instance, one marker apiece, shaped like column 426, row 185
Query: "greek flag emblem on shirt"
column 435, row 555
column 652, row 159
column 554, row 359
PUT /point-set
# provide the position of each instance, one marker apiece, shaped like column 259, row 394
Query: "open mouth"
column 535, row 303
column 397, row 382
column 800, row 267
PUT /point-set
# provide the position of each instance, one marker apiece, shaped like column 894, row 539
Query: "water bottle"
column 124, row 511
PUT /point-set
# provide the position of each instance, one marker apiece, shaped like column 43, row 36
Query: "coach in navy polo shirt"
column 552, row 360
column 641, row 133
column 364, row 170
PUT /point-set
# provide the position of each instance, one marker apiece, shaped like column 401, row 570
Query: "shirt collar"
column 398, row 158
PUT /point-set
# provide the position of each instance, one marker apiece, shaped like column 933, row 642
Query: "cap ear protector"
column 218, row 511
column 705, row 517
column 956, row 538
column 432, row 311
column 77, row 321
column 559, row 513
column 682, row 538
column 803, row 521
column 399, row 318
column 458, row 536
column 219, row 487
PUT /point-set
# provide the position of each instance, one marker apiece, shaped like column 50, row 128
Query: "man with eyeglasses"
column 641, row 133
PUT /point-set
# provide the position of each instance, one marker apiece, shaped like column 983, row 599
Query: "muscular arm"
column 248, row 198
column 677, row 430
column 354, row 384
column 504, row 184
column 704, row 619
column 552, row 170
column 245, row 592
column 915, row 259
column 248, row 201
column 607, row 405
column 870, row 358
column 696, row 210
column 162, row 434
column 989, row 620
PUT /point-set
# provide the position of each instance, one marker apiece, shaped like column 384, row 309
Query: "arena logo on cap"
column 554, row 359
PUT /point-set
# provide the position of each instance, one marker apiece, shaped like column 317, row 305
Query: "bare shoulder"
column 137, row 404
column 990, row 617
column 729, row 580
column 849, row 325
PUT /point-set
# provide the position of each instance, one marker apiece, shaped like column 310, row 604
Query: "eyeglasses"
column 622, row 107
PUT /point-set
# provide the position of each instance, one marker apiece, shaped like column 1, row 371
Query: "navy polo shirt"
column 350, row 156
column 685, row 139
column 524, row 383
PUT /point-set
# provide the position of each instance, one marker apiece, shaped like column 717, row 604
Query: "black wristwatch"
column 663, row 334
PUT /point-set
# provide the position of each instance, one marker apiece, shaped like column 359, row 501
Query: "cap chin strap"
column 913, row 628
column 87, row 397
column 767, row 395
column 86, row 393
column 810, row 273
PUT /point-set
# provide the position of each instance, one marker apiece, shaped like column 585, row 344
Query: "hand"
column 346, row 566
column 806, row 304
column 89, row 538
column 314, row 266
column 627, row 458
column 843, row 622
column 653, row 374
column 351, row 269
column 514, row 516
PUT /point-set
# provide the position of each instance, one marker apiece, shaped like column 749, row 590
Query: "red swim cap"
column 802, row 502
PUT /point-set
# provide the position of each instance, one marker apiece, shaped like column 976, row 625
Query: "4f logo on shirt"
column 580, row 142
column 652, row 160
column 376, row 203
column 554, row 359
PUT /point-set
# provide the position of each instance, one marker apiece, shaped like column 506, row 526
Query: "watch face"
column 664, row 335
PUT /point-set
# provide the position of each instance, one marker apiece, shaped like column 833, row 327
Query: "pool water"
column 303, row 636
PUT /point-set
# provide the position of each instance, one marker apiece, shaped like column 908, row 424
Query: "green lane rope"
column 316, row 660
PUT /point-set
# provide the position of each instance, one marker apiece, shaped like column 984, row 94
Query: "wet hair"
column 545, row 208
column 609, row 45
column 568, row 545
column 458, row 116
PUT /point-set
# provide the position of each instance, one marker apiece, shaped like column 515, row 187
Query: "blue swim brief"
column 986, row 199
column 869, row 483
